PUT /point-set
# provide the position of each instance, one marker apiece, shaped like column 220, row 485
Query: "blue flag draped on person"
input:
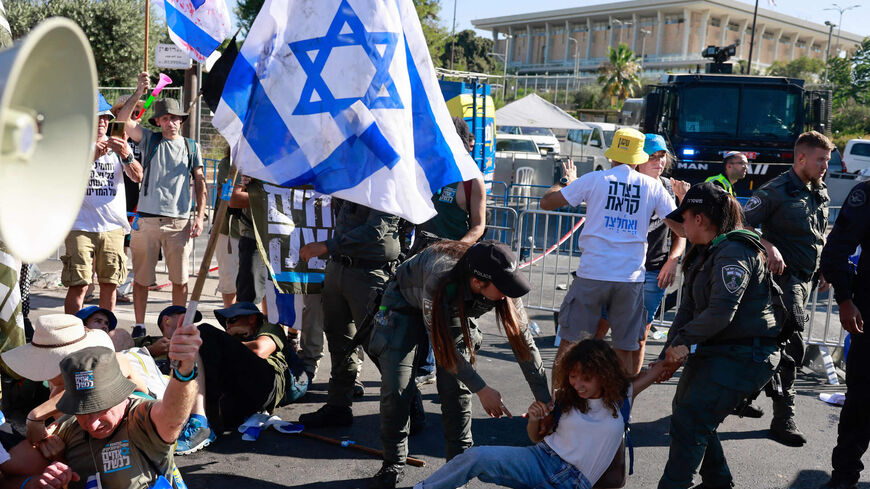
column 197, row 26
column 342, row 95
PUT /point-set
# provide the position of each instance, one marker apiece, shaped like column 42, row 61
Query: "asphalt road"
column 278, row 460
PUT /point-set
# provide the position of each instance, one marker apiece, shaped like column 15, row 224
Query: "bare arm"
column 647, row 377
column 554, row 199
column 540, row 421
column 170, row 414
column 134, row 131
column 477, row 207
column 262, row 346
column 676, row 227
column 200, row 196
column 239, row 199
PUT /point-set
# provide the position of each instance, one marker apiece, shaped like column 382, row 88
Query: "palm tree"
column 619, row 74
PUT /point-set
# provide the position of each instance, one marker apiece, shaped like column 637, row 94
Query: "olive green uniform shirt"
column 131, row 458
column 364, row 233
column 415, row 285
column 277, row 359
column 726, row 296
column 792, row 216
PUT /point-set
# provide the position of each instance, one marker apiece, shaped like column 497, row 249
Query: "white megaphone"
column 48, row 114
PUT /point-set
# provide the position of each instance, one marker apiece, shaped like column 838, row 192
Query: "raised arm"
column 170, row 414
column 133, row 129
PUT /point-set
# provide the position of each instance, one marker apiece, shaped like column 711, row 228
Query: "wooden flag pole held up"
column 195, row 294
column 147, row 26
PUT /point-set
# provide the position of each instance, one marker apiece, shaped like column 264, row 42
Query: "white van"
column 591, row 142
column 856, row 156
column 544, row 137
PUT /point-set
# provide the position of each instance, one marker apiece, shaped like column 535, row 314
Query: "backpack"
column 614, row 476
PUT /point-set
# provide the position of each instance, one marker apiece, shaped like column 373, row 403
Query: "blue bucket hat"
column 176, row 310
column 104, row 107
column 653, row 143
column 89, row 311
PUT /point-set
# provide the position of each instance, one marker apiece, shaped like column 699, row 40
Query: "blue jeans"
column 652, row 294
column 536, row 466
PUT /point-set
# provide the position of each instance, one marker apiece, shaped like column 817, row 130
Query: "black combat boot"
column 328, row 416
column 388, row 476
column 785, row 431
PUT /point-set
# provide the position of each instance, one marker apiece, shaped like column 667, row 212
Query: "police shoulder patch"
column 752, row 203
column 733, row 277
column 857, row 198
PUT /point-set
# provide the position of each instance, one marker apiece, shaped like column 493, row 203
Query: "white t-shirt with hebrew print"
column 105, row 205
column 619, row 205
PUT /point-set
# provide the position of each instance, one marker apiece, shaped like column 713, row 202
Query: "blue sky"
column 855, row 21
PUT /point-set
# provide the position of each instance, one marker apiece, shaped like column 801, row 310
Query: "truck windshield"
column 752, row 112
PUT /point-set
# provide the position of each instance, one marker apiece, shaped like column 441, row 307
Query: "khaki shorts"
column 227, row 253
column 581, row 310
column 88, row 252
column 154, row 233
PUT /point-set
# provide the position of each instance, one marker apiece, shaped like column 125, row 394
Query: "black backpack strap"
column 153, row 142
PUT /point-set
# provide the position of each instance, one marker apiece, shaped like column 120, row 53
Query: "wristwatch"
column 128, row 159
column 563, row 181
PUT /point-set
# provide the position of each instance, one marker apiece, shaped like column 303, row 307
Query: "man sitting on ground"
column 245, row 371
column 158, row 346
column 95, row 317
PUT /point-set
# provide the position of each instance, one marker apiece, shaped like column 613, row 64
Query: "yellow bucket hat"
column 627, row 147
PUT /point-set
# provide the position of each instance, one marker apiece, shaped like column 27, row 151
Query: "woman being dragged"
column 590, row 386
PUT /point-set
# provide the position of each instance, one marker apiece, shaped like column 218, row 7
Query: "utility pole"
column 828, row 48
column 644, row 33
column 453, row 34
column 507, row 43
column 752, row 40
column 576, row 59
column 840, row 26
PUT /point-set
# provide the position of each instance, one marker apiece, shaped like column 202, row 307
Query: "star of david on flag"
column 342, row 95
column 197, row 26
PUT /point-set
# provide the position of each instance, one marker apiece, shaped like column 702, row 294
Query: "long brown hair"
column 451, row 292
column 597, row 359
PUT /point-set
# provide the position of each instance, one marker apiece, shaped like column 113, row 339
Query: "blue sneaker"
column 194, row 437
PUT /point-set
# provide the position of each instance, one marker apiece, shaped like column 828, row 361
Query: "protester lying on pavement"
column 247, row 369
column 158, row 346
column 95, row 317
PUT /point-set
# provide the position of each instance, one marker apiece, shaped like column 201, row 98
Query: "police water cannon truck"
column 702, row 116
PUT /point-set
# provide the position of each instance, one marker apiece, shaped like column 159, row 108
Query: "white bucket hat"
column 54, row 337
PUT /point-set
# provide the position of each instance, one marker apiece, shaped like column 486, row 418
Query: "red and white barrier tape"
column 558, row 244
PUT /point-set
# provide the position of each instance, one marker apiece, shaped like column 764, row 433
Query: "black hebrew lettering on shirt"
column 623, row 198
column 102, row 180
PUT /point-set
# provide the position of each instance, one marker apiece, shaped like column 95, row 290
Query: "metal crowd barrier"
column 550, row 275
column 501, row 224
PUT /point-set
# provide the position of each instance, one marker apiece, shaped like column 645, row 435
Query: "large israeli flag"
column 198, row 26
column 341, row 94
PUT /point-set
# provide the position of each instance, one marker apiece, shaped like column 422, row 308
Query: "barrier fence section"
column 549, row 273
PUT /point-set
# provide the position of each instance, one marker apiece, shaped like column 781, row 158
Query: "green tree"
column 590, row 97
column 436, row 36
column 861, row 72
column 470, row 53
column 840, row 78
column 619, row 74
column 115, row 29
column 805, row 68
column 246, row 11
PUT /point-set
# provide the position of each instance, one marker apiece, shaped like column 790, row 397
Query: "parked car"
column 544, row 137
column 856, row 155
column 591, row 142
column 517, row 146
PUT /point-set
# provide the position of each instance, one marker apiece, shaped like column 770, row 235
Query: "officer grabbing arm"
column 792, row 212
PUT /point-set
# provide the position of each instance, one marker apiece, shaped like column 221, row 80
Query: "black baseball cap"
column 197, row 317
column 701, row 196
column 236, row 310
column 495, row 262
